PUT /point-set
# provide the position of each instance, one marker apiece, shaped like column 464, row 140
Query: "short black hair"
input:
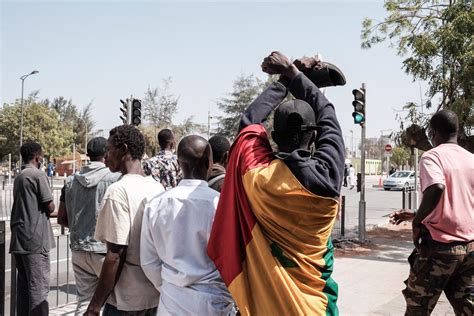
column 445, row 122
column 131, row 136
column 165, row 137
column 29, row 150
column 220, row 145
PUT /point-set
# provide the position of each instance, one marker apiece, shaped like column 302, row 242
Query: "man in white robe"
column 175, row 232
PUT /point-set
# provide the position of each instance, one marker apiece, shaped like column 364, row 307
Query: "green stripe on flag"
column 331, row 288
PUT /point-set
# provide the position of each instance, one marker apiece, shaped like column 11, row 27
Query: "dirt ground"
column 380, row 238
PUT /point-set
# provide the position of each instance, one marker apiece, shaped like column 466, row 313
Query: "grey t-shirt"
column 30, row 226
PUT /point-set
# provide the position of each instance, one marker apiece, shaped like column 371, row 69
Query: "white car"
column 399, row 180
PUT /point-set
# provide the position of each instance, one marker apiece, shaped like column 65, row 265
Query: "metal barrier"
column 62, row 290
column 408, row 194
column 339, row 227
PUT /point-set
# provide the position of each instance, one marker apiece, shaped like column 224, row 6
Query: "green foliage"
column 400, row 156
column 245, row 89
column 436, row 39
column 160, row 106
column 56, row 125
column 41, row 124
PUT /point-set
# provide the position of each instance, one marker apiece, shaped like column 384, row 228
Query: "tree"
column 435, row 37
column 245, row 89
column 41, row 124
column 400, row 156
column 160, row 106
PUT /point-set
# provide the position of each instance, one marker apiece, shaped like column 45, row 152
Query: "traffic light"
column 124, row 109
column 136, row 112
column 359, row 182
column 359, row 106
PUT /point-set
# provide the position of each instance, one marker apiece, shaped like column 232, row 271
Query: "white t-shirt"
column 119, row 222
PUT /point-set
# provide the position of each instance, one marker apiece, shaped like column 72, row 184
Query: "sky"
column 103, row 51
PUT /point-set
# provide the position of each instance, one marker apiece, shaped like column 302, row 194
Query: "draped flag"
column 271, row 236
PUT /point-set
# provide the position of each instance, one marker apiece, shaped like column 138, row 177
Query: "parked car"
column 399, row 180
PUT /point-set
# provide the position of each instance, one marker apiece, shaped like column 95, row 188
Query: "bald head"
column 195, row 157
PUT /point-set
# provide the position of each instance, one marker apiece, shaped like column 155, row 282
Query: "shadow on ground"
column 388, row 243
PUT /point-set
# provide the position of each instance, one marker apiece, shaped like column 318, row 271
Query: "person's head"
column 294, row 126
column 166, row 139
column 32, row 153
column 195, row 157
column 443, row 128
column 125, row 145
column 220, row 149
column 96, row 148
column 350, row 166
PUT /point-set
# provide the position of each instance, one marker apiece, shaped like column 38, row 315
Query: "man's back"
column 453, row 217
column 30, row 226
column 176, row 229
column 164, row 168
column 119, row 222
column 84, row 193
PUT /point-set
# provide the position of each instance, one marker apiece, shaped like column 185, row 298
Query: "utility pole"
column 363, row 125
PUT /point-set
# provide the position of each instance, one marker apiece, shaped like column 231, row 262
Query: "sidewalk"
column 370, row 277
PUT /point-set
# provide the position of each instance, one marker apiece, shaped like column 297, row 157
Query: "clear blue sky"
column 102, row 51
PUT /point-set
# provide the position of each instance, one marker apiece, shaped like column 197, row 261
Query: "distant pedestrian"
column 220, row 155
column 392, row 170
column 175, row 234
column 122, row 286
column 351, row 176
column 78, row 209
column 164, row 166
column 31, row 232
column 443, row 226
column 346, row 174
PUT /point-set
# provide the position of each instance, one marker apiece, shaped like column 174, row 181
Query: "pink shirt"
column 453, row 217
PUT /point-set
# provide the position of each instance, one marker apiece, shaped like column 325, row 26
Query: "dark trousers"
column 110, row 310
column 436, row 267
column 33, row 284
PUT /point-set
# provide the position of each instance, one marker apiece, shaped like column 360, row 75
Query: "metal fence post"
column 343, row 215
column 404, row 192
column 2, row 267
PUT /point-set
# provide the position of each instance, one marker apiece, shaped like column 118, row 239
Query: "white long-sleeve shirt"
column 173, row 251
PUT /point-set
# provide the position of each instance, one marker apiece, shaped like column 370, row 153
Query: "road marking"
column 52, row 262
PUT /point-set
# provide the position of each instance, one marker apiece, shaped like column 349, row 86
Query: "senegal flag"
column 271, row 236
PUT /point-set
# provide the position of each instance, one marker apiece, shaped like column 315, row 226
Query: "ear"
column 225, row 158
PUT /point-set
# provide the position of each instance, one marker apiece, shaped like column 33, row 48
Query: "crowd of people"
column 207, row 227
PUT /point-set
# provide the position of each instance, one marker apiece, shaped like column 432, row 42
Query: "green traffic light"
column 358, row 118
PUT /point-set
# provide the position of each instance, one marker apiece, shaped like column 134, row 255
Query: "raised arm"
column 329, row 155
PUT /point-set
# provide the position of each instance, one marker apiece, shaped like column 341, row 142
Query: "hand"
column 276, row 64
column 305, row 64
column 401, row 216
column 92, row 310
column 416, row 230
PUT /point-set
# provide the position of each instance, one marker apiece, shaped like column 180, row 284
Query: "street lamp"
column 21, row 107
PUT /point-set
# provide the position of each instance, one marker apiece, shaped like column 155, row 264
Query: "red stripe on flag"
column 234, row 220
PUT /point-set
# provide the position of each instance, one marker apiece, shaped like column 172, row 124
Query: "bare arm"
column 62, row 215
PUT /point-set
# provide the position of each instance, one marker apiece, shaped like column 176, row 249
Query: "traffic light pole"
column 362, row 205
